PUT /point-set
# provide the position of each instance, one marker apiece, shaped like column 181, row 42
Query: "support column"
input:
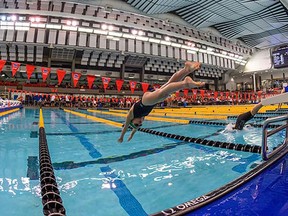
column 142, row 74
column 254, row 82
column 216, row 84
column 122, row 71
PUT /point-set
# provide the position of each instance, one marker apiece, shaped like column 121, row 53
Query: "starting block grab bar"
column 266, row 134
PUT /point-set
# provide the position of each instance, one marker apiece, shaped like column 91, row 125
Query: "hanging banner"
column 194, row 93
column 185, row 92
column 29, row 70
column 202, row 93
column 177, row 94
column 105, row 81
column 215, row 95
column 45, row 73
column 75, row 77
column 2, row 63
column 156, row 86
column 227, row 95
column 221, row 96
column 132, row 85
column 119, row 84
column 15, row 67
column 144, row 86
column 61, row 75
column 90, row 80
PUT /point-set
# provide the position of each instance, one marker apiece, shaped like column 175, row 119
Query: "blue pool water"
column 146, row 175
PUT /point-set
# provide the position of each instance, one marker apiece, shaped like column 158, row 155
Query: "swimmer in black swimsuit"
column 244, row 117
column 143, row 107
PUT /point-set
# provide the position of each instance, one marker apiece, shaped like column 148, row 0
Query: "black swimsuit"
column 141, row 110
column 242, row 119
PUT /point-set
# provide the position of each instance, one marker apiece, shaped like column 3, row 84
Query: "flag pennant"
column 75, row 77
column 15, row 67
column 45, row 73
column 29, row 70
column 60, row 75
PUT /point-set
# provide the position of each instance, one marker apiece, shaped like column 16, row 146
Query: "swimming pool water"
column 99, row 176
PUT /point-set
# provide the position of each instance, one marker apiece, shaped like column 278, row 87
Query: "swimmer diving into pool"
column 244, row 117
column 144, row 106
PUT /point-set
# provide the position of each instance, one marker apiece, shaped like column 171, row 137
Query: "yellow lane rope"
column 182, row 121
column 9, row 111
column 105, row 121
column 41, row 119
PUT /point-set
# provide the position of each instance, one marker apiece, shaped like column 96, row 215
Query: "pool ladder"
column 266, row 134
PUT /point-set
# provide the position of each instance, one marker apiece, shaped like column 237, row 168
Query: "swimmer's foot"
column 190, row 83
column 192, row 66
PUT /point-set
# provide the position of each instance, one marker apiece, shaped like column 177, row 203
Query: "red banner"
column 105, row 81
column 227, row 95
column 61, row 75
column 185, row 92
column 15, row 67
column 177, row 94
column 90, row 80
column 75, row 77
column 29, row 70
column 194, row 93
column 144, row 86
column 119, row 84
column 45, row 73
column 2, row 63
column 132, row 85
column 215, row 95
column 156, row 86
column 202, row 93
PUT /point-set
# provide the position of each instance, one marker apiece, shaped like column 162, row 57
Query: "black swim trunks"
column 242, row 119
column 141, row 110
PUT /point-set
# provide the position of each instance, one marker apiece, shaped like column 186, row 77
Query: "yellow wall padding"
column 182, row 121
column 108, row 122
column 9, row 111
column 41, row 119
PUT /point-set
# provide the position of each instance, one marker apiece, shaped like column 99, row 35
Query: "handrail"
column 266, row 134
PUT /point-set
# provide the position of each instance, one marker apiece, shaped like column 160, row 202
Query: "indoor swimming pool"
column 96, row 175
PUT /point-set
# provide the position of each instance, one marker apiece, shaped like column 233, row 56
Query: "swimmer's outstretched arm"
column 129, row 118
column 132, row 134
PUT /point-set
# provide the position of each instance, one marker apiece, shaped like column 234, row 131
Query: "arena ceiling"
column 259, row 23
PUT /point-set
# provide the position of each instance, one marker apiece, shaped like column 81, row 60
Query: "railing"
column 266, row 134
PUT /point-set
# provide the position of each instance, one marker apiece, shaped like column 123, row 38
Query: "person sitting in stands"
column 143, row 107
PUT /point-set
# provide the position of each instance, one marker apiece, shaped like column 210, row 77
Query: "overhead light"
column 38, row 25
column 3, row 18
column 130, row 36
column 141, row 33
column 117, row 34
column 153, row 40
column 53, row 26
column 98, row 31
column 69, row 22
column 191, row 51
column 110, row 28
column 134, row 32
column 142, row 38
column 104, row 27
column 202, row 50
column 70, row 28
column 22, row 24
column 165, row 42
column 88, row 30
column 21, row 28
column 74, row 23
column 167, row 38
column 13, row 18
column 176, row 45
column 37, row 19
column 224, row 52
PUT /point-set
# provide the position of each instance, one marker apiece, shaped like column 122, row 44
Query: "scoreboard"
column 280, row 58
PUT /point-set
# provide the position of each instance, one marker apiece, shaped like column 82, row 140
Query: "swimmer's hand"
column 120, row 140
column 130, row 137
